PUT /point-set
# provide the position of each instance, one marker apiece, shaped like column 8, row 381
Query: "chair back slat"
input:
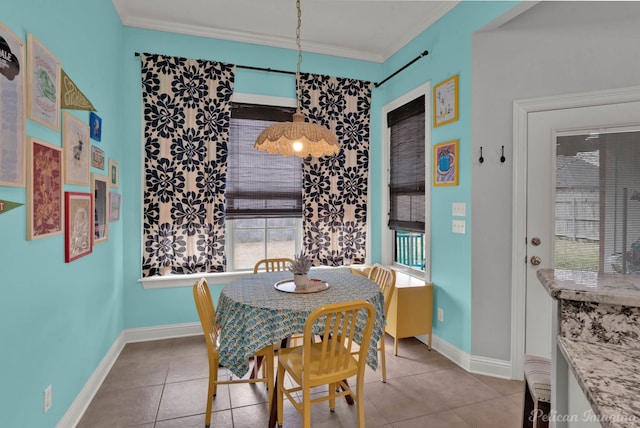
column 206, row 313
column 339, row 325
column 272, row 265
column 385, row 277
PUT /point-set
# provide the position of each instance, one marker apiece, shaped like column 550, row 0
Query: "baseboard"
column 471, row 363
column 74, row 413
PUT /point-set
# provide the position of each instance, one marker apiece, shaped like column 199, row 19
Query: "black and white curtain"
column 187, row 104
column 335, row 187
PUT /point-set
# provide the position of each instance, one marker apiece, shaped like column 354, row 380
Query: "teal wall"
column 57, row 319
column 449, row 44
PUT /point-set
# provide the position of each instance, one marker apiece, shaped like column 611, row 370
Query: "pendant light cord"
column 299, row 24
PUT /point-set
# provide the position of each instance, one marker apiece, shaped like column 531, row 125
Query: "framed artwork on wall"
column 44, row 189
column 95, row 123
column 445, row 102
column 114, row 206
column 113, row 174
column 43, row 84
column 75, row 141
column 446, row 163
column 100, row 192
column 97, row 157
column 78, row 225
column 13, row 99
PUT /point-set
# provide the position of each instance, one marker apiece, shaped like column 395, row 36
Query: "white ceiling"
column 358, row 29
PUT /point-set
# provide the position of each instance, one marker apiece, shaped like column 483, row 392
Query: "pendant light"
column 298, row 137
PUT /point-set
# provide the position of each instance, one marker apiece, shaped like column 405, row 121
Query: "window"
column 407, row 183
column 264, row 192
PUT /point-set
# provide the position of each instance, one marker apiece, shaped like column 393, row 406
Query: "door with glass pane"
column 583, row 201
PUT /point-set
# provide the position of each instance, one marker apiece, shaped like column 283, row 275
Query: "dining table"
column 255, row 311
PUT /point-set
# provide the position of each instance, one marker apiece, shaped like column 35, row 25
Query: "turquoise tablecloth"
column 253, row 314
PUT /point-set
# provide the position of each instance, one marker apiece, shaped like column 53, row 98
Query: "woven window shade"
column 260, row 184
column 407, row 166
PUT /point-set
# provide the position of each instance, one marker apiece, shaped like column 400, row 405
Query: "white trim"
column 145, row 334
column 386, row 234
column 521, row 110
column 265, row 100
column 491, row 367
column 74, row 413
column 450, row 352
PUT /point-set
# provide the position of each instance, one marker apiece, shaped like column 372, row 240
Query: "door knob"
column 535, row 260
column 535, row 241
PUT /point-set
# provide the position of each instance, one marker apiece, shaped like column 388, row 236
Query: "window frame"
column 388, row 235
column 173, row 280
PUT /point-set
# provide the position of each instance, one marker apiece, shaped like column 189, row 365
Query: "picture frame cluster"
column 31, row 83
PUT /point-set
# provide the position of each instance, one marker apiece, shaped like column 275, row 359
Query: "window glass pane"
column 597, row 202
column 281, row 242
column 248, row 247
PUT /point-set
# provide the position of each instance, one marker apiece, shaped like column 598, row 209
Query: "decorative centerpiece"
column 300, row 269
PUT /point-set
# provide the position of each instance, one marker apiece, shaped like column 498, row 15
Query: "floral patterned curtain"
column 335, row 187
column 186, row 128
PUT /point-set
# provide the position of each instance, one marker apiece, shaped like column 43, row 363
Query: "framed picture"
column 97, row 157
column 445, row 164
column 78, row 225
column 95, row 123
column 445, row 102
column 100, row 192
column 75, row 141
column 114, row 206
column 13, row 97
column 113, row 174
column 43, row 84
column 44, row 189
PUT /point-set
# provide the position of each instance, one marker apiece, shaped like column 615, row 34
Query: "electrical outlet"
column 458, row 226
column 459, row 209
column 440, row 315
column 47, row 398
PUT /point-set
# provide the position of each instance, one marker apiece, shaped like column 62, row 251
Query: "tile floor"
column 163, row 384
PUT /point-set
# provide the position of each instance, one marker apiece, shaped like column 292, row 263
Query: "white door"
column 569, row 132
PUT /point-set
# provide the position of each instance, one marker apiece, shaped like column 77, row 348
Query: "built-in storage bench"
column 411, row 310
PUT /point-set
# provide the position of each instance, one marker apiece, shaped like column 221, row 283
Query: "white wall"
column 552, row 48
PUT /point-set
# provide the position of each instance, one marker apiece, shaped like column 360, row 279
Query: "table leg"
column 273, row 411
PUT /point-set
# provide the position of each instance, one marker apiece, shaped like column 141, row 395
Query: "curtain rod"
column 273, row 70
column 425, row 53
column 247, row 67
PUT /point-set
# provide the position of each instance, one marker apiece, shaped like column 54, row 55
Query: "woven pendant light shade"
column 298, row 138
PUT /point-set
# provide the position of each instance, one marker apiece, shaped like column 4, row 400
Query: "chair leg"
column 360, row 400
column 528, row 413
column 306, row 408
column 383, row 361
column 280, row 396
column 211, row 391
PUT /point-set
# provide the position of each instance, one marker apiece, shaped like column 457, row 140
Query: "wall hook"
column 502, row 158
column 481, row 159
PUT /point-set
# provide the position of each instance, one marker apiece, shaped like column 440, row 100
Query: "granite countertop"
column 609, row 375
column 616, row 289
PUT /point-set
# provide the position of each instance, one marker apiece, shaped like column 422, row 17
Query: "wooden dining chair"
column 272, row 265
column 326, row 362
column 206, row 312
column 385, row 277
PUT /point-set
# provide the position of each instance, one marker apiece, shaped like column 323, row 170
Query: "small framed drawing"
column 445, row 102
column 113, row 174
column 97, row 157
column 13, row 98
column 445, row 164
column 95, row 123
column 75, row 141
column 100, row 192
column 114, row 206
column 44, row 189
column 43, row 84
column 78, row 225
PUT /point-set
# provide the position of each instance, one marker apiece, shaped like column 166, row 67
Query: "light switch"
column 459, row 209
column 458, row 226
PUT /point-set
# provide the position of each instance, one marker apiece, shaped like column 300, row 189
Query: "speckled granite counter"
column 599, row 337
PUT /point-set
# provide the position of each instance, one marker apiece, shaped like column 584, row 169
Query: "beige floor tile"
column 166, row 382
